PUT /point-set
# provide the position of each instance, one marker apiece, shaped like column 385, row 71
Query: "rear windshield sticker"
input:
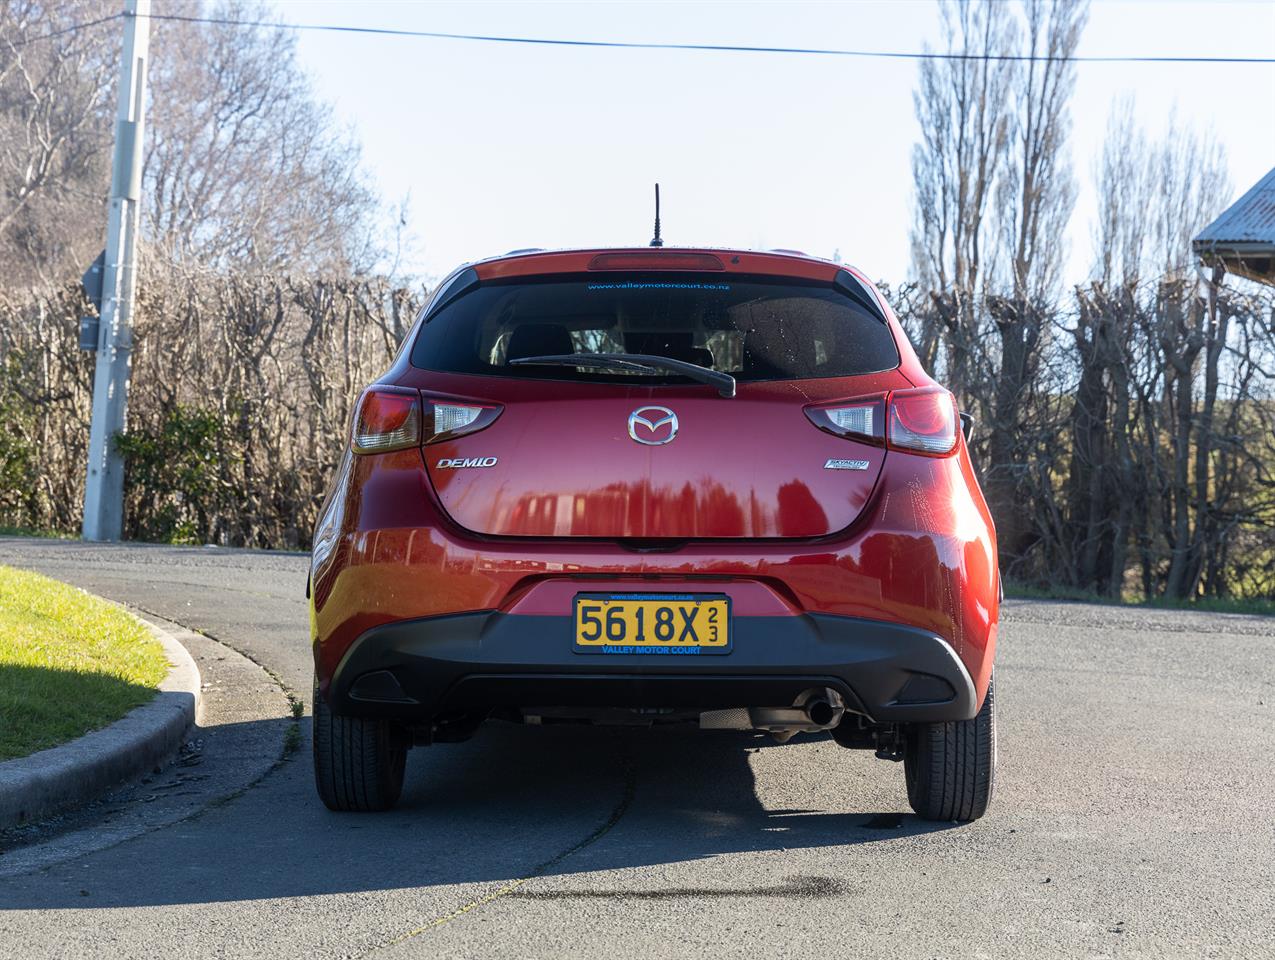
column 658, row 285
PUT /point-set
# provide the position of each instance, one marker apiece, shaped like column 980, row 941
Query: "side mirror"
column 967, row 427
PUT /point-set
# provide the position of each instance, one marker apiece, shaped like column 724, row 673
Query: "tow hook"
column 890, row 743
column 858, row 733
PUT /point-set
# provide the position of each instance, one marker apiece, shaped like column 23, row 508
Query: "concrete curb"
column 40, row 785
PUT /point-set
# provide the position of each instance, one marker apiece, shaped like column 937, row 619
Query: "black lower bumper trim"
column 418, row 670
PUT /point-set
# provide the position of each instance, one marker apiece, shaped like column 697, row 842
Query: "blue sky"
column 502, row 146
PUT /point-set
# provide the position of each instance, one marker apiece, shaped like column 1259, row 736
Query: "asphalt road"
column 1133, row 816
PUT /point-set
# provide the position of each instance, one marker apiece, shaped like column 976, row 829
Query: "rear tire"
column 951, row 767
column 358, row 763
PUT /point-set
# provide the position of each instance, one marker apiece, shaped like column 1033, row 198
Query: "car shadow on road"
column 512, row 803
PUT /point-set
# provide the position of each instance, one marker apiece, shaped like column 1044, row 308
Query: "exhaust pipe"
column 821, row 712
column 818, row 709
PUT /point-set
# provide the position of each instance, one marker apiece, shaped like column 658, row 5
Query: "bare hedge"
column 240, row 397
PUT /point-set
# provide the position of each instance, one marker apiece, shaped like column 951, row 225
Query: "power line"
column 73, row 28
column 634, row 45
column 712, row 47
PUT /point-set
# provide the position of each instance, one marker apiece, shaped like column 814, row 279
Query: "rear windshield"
column 753, row 329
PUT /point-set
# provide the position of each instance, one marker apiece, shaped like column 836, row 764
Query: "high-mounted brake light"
column 923, row 420
column 656, row 261
column 395, row 418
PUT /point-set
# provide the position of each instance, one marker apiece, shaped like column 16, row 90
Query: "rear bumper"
column 418, row 670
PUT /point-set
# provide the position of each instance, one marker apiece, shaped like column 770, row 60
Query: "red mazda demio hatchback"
column 657, row 486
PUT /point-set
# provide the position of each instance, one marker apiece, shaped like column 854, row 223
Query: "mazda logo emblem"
column 648, row 425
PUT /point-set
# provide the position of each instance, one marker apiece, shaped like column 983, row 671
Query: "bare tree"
column 1156, row 361
column 244, row 166
column 1102, row 490
column 55, row 100
column 1036, row 192
column 1121, row 181
column 962, row 105
column 1035, row 196
column 993, row 195
column 1192, row 189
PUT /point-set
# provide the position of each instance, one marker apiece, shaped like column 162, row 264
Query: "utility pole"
column 104, row 486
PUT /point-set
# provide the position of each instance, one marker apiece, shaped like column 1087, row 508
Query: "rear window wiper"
column 636, row 363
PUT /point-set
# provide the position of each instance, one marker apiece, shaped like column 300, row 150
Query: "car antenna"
column 656, row 241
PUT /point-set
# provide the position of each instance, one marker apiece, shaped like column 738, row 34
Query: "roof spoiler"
column 454, row 289
column 858, row 291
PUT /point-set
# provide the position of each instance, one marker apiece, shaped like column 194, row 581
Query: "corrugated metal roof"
column 1250, row 219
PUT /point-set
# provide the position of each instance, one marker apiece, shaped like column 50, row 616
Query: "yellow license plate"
column 655, row 623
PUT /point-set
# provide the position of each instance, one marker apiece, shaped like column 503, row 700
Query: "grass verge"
column 1259, row 606
column 35, row 534
column 69, row 663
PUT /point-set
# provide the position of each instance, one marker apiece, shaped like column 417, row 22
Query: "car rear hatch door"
column 583, row 453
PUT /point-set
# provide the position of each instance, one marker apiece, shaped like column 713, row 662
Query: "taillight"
column 862, row 420
column 447, row 419
column 923, row 420
column 395, row 418
column 387, row 418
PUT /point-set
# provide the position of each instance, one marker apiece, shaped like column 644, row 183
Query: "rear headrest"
column 703, row 356
column 538, row 340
